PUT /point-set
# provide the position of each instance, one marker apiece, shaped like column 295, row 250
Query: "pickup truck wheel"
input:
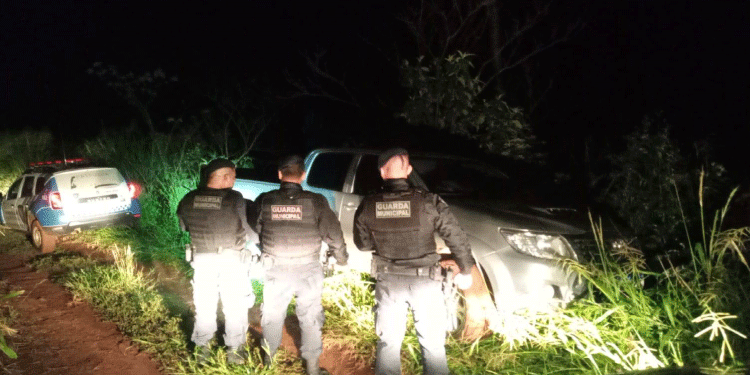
column 42, row 239
column 456, row 308
column 470, row 311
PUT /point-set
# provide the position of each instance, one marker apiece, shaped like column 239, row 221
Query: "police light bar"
column 64, row 161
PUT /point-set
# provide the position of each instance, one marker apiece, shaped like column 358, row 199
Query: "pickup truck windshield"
column 463, row 178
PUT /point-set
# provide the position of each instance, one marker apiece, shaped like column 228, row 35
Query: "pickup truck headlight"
column 539, row 245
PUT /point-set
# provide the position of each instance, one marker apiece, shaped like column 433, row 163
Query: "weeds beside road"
column 620, row 326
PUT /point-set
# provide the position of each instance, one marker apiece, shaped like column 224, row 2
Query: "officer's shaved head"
column 394, row 164
column 292, row 169
column 219, row 174
column 222, row 178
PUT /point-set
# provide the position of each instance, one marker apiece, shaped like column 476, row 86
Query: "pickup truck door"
column 332, row 174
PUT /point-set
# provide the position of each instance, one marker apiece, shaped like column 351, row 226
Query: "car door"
column 10, row 212
column 22, row 203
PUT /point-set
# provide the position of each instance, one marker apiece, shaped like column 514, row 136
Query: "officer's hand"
column 253, row 249
column 341, row 266
column 462, row 281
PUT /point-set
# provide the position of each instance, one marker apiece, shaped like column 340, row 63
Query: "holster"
column 381, row 266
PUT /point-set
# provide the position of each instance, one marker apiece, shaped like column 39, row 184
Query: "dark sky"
column 686, row 58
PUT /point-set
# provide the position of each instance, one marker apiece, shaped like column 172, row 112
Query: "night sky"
column 687, row 59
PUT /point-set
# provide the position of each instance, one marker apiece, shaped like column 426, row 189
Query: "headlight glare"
column 539, row 245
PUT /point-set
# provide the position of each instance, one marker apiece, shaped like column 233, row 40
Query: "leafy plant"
column 444, row 94
column 5, row 330
column 17, row 150
column 648, row 182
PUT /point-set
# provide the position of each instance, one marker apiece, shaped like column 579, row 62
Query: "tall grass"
column 7, row 315
column 17, row 150
column 167, row 166
column 633, row 318
column 348, row 300
column 128, row 298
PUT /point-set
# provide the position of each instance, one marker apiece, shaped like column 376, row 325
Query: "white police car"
column 59, row 197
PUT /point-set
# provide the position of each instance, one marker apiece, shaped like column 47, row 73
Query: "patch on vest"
column 389, row 210
column 286, row 212
column 207, row 202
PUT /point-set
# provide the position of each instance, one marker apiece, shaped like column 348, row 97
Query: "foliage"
column 17, row 150
column 444, row 94
column 167, row 167
column 348, row 299
column 648, row 181
column 6, row 317
column 126, row 297
column 59, row 263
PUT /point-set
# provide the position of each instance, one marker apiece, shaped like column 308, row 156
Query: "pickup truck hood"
column 513, row 215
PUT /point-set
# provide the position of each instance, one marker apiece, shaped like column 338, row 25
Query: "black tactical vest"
column 211, row 217
column 290, row 227
column 399, row 224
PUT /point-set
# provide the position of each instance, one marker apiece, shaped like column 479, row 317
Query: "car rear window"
column 88, row 179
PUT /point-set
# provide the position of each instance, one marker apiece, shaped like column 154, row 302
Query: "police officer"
column 292, row 223
column 222, row 243
column 399, row 224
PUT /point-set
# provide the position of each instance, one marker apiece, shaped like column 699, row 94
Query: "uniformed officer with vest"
column 399, row 224
column 222, row 245
column 292, row 224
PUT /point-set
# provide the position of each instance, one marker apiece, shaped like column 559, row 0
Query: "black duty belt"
column 425, row 271
column 289, row 261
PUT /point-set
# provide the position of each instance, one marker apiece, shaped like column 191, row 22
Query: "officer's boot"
column 313, row 367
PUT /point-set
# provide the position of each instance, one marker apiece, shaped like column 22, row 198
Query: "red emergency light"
column 63, row 161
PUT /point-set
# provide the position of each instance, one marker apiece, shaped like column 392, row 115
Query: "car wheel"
column 41, row 239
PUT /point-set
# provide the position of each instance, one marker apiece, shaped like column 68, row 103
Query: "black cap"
column 388, row 154
column 217, row 164
column 291, row 160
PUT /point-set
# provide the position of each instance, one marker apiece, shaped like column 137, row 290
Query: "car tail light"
column 134, row 189
column 55, row 201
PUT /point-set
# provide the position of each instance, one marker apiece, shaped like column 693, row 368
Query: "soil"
column 60, row 335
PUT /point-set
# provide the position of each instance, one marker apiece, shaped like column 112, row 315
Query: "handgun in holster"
column 327, row 264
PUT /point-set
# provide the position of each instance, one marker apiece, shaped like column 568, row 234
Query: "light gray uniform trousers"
column 305, row 282
column 393, row 295
column 221, row 275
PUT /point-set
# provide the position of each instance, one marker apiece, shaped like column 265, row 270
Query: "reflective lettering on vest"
column 393, row 209
column 286, row 212
column 207, row 202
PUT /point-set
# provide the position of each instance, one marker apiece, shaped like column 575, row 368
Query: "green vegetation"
column 167, row 167
column 17, row 150
column 633, row 318
column 7, row 315
column 443, row 93
column 128, row 298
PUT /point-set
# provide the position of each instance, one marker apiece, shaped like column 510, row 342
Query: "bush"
column 167, row 166
column 17, row 150
column 649, row 182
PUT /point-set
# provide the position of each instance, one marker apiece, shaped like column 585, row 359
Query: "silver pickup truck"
column 518, row 248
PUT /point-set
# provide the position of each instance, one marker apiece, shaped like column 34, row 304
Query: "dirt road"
column 58, row 335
